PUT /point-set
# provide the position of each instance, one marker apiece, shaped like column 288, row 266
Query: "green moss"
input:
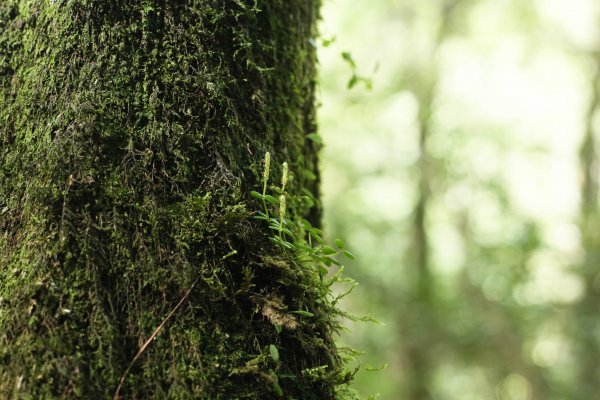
column 130, row 136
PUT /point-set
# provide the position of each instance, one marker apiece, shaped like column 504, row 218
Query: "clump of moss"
column 130, row 138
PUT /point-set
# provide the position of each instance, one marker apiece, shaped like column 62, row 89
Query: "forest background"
column 466, row 183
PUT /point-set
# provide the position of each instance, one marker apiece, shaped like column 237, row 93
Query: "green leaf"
column 332, row 260
column 340, row 244
column 348, row 58
column 288, row 232
column 305, row 223
column 307, row 192
column 317, row 230
column 328, row 250
column 279, row 228
column 271, row 199
column 309, row 174
column 309, row 202
column 257, row 195
column 277, row 240
column 315, row 236
column 315, row 137
column 322, row 270
column 317, row 258
column 281, row 242
column 305, row 247
column 274, row 352
column 352, row 82
column 277, row 388
column 303, row 313
column 328, row 42
column 349, row 255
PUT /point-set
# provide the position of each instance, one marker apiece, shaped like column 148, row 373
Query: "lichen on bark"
column 130, row 136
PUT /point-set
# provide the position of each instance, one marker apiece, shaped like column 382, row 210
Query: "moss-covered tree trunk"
column 131, row 133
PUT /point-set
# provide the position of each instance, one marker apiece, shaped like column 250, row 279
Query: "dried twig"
column 147, row 342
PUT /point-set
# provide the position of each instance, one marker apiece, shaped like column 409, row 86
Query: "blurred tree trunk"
column 586, row 327
column 422, row 330
column 130, row 136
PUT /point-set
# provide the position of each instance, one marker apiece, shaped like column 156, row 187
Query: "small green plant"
column 284, row 212
column 294, row 233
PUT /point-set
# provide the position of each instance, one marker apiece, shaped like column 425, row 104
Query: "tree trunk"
column 584, row 327
column 131, row 133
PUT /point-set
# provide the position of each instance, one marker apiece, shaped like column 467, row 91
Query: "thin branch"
column 150, row 339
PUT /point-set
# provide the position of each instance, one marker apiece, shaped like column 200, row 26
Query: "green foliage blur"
column 461, row 166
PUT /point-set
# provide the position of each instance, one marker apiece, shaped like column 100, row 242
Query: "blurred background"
column 465, row 181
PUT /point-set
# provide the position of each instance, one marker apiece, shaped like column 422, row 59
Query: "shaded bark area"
column 130, row 136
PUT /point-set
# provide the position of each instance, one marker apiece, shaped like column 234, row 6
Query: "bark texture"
column 131, row 133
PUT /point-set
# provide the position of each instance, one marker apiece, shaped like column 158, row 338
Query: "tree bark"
column 131, row 133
